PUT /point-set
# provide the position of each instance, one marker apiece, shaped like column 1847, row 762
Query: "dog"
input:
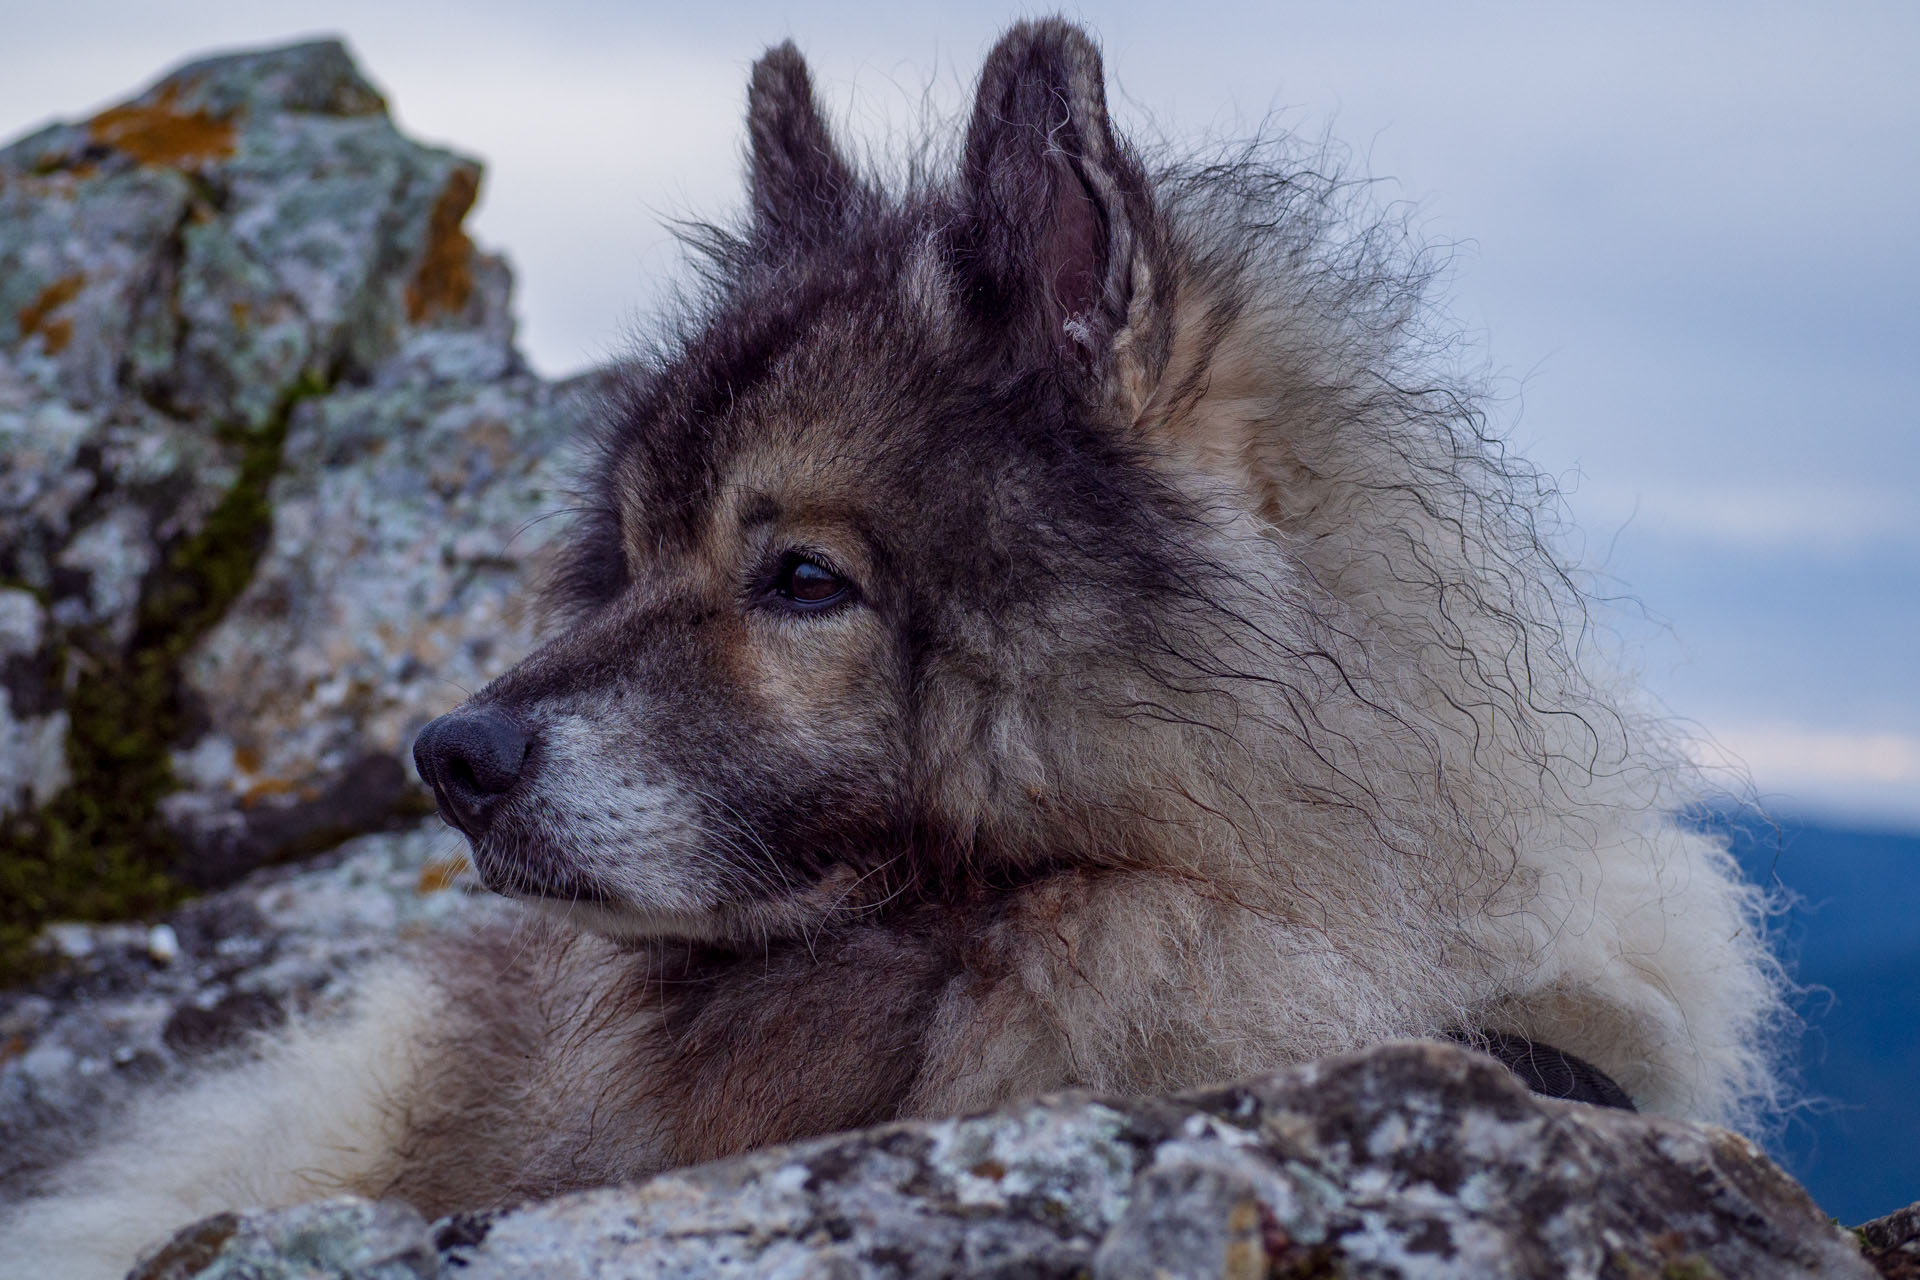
column 1050, row 619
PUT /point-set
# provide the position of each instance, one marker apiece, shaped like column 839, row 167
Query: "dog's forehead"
column 800, row 411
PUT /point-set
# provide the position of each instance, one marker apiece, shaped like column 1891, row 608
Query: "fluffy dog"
column 1046, row 621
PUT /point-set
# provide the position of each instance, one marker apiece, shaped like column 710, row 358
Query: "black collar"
column 1548, row 1071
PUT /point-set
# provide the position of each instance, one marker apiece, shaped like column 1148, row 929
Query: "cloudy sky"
column 1687, row 238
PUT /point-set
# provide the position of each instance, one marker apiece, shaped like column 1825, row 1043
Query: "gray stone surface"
column 133, row 1006
column 246, row 248
column 405, row 522
column 33, row 734
column 343, row 1237
column 248, row 220
column 1406, row 1161
column 1892, row 1243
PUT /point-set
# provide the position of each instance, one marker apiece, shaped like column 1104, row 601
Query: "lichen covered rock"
column 130, row 1007
column 343, row 1237
column 1411, row 1160
column 249, row 221
column 270, row 476
column 1892, row 1243
column 406, row 521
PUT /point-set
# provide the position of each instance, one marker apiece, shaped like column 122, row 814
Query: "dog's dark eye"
column 808, row 584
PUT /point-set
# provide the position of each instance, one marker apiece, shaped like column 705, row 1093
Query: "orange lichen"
column 157, row 133
column 492, row 436
column 266, row 787
column 37, row 316
column 444, row 280
column 247, row 759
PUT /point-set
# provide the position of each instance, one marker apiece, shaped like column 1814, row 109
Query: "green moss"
column 98, row 850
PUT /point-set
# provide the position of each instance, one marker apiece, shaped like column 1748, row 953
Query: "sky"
column 1684, row 236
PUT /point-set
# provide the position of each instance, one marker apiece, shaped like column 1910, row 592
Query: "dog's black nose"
column 470, row 759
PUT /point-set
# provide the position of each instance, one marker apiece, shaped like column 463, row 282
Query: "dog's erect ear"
column 800, row 184
column 1055, row 204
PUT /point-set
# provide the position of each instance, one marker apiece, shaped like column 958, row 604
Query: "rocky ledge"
column 1411, row 1160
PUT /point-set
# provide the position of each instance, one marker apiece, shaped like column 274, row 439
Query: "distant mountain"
column 1852, row 938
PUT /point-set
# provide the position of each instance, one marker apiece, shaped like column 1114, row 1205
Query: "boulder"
column 1409, row 1160
column 271, row 479
column 1892, row 1243
column 124, row 1008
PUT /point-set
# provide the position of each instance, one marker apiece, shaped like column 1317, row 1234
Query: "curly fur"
column 1208, row 696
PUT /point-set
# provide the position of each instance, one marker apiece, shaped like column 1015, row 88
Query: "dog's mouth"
column 545, row 883
column 534, row 880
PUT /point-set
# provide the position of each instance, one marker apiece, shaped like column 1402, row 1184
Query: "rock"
column 1410, row 1160
column 270, row 479
column 130, row 1007
column 163, row 944
column 249, row 221
column 1892, row 1243
column 404, row 523
column 344, row 1237
column 33, row 726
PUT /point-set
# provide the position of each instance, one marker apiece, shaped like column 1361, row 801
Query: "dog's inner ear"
column 1073, row 253
column 800, row 184
column 1048, row 237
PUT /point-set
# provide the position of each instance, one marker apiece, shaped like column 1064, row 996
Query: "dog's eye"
column 807, row 584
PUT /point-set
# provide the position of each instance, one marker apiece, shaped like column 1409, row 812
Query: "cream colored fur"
column 311, row 1116
column 1406, row 802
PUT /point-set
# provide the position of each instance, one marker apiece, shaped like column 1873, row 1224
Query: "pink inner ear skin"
column 1072, row 246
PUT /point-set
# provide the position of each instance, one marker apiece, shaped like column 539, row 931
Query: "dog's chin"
column 620, row 922
column 591, row 907
column 743, row 921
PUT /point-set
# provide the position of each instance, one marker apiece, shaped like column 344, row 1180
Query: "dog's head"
column 875, row 559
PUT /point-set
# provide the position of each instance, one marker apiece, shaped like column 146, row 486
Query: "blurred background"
column 1678, row 235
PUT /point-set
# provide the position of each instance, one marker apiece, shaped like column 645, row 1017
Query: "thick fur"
column 1201, row 696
